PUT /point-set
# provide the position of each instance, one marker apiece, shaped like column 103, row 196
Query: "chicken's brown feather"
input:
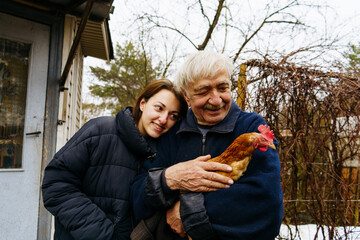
column 237, row 155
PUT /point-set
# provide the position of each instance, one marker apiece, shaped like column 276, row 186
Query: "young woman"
column 86, row 184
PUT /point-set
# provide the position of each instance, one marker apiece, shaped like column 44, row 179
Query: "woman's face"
column 159, row 114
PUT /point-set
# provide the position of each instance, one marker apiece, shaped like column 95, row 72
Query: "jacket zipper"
column 203, row 144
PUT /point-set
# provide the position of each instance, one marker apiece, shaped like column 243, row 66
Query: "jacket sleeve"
column 63, row 196
column 194, row 217
column 251, row 208
column 148, row 192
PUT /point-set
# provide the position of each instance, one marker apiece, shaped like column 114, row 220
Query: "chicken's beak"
column 272, row 146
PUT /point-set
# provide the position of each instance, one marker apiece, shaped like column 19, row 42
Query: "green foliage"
column 89, row 111
column 126, row 76
column 353, row 56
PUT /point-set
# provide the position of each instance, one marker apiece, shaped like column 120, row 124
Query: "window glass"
column 14, row 61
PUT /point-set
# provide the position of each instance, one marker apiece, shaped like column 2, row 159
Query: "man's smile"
column 211, row 107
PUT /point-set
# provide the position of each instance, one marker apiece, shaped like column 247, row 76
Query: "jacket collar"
column 131, row 136
column 189, row 124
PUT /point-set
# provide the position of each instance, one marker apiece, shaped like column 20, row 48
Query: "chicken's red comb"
column 266, row 131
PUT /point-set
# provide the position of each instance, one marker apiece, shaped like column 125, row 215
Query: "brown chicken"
column 239, row 153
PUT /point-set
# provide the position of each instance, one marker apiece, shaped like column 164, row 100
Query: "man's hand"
column 174, row 220
column 198, row 175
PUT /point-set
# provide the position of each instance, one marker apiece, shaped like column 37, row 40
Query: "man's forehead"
column 208, row 83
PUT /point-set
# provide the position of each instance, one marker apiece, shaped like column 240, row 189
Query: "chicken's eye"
column 263, row 139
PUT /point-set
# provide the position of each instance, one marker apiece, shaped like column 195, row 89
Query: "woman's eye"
column 159, row 108
column 174, row 116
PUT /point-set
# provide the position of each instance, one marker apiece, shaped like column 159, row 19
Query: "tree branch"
column 261, row 26
column 203, row 12
column 171, row 28
column 212, row 26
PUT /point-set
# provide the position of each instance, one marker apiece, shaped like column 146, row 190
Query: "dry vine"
column 316, row 118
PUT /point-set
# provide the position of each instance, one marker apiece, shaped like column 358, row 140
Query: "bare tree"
column 241, row 29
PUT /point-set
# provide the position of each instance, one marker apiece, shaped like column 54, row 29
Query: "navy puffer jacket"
column 86, row 184
column 251, row 209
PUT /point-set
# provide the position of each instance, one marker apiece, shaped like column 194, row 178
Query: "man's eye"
column 223, row 89
column 201, row 93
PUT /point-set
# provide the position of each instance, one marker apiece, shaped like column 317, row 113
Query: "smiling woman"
column 159, row 114
column 86, row 184
column 158, row 108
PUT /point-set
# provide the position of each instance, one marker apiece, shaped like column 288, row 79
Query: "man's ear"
column 142, row 104
column 187, row 99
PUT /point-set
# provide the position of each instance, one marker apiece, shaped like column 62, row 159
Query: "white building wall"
column 70, row 99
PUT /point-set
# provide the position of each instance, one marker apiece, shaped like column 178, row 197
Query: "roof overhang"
column 96, row 41
column 95, row 38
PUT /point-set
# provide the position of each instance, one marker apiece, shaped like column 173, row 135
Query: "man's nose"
column 215, row 98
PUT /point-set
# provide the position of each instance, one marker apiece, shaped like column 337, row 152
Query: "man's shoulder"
column 249, row 116
column 248, row 121
column 241, row 116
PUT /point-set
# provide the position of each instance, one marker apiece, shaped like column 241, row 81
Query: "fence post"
column 241, row 87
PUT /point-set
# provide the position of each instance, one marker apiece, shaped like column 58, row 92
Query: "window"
column 14, row 61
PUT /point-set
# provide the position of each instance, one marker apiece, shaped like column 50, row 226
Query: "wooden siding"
column 95, row 44
column 70, row 97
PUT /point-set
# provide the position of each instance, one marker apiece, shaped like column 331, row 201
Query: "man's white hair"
column 202, row 64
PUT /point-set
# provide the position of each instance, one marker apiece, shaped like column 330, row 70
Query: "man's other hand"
column 174, row 220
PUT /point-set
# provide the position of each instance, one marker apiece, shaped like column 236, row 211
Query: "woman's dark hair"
column 153, row 88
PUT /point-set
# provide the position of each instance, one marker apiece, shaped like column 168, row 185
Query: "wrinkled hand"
column 198, row 175
column 174, row 220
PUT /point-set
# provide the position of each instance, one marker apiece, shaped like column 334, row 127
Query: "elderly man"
column 209, row 205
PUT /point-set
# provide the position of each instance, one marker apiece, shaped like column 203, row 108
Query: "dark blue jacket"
column 86, row 185
column 251, row 208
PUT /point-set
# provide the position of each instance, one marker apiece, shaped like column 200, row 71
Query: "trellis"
column 315, row 115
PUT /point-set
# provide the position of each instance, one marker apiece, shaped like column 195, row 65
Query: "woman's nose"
column 163, row 118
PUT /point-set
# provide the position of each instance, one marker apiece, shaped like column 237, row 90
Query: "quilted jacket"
column 251, row 209
column 86, row 184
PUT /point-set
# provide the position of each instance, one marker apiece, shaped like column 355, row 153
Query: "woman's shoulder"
column 95, row 128
column 101, row 124
column 90, row 133
column 100, row 120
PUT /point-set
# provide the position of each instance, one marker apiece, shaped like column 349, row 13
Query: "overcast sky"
column 342, row 16
column 345, row 13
